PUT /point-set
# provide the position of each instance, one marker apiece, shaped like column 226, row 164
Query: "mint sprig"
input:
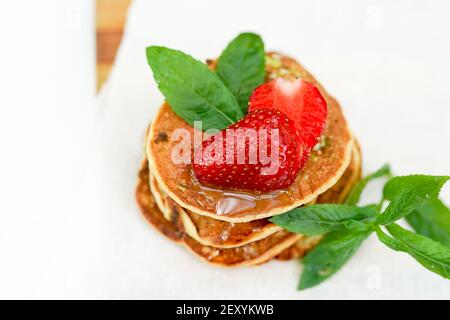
column 345, row 227
column 195, row 92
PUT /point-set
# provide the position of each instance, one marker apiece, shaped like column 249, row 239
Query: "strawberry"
column 238, row 167
column 301, row 101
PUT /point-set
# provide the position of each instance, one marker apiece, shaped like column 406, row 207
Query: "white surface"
column 69, row 226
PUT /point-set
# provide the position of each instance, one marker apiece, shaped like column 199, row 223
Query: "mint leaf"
column 430, row 254
column 402, row 205
column 322, row 218
column 356, row 225
column 241, row 66
column 355, row 193
column 406, row 193
column 193, row 91
column 425, row 185
column 392, row 243
column 329, row 256
column 432, row 219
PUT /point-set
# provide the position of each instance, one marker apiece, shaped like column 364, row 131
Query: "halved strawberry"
column 265, row 153
column 301, row 101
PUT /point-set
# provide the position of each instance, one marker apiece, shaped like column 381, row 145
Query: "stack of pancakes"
column 229, row 227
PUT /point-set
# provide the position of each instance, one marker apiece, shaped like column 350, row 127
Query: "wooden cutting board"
column 110, row 21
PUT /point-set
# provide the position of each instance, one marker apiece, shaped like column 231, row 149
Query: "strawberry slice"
column 301, row 101
column 261, row 152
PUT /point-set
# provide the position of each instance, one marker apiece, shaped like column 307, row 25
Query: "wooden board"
column 111, row 17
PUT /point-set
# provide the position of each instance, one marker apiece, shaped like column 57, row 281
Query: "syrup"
column 238, row 202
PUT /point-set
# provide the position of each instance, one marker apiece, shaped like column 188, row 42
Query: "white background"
column 69, row 227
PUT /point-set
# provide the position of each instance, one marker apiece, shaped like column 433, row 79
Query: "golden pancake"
column 251, row 254
column 281, row 244
column 222, row 234
column 209, row 231
column 322, row 171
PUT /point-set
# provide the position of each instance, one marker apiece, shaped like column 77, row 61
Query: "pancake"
column 222, row 234
column 281, row 245
column 251, row 254
column 209, row 231
column 323, row 169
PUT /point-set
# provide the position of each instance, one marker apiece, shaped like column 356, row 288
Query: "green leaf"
column 392, row 243
column 431, row 254
column 355, row 193
column 241, row 66
column 426, row 186
column 322, row 218
column 432, row 220
column 406, row 193
column 402, row 205
column 192, row 90
column 356, row 225
column 329, row 256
